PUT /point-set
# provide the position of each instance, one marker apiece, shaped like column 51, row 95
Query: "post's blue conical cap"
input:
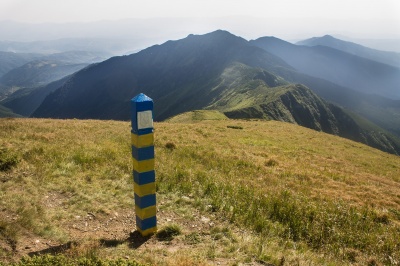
column 141, row 98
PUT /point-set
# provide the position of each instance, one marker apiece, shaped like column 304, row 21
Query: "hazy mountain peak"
column 327, row 40
column 271, row 41
column 328, row 37
column 389, row 58
column 219, row 36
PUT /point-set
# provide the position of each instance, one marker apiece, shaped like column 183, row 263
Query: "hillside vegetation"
column 228, row 192
column 197, row 116
column 6, row 112
column 25, row 101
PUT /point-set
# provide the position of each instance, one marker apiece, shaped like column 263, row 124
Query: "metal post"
column 143, row 164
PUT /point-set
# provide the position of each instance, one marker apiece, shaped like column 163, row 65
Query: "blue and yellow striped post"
column 143, row 164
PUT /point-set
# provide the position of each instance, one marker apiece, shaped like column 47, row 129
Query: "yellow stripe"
column 148, row 232
column 143, row 190
column 146, row 212
column 140, row 141
column 143, row 166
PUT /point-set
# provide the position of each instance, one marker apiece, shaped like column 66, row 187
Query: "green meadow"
column 229, row 192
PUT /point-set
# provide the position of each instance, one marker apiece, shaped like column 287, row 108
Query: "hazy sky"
column 248, row 18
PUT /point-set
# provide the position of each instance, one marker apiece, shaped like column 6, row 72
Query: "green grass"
column 271, row 192
column 7, row 159
column 49, row 260
column 197, row 115
column 168, row 232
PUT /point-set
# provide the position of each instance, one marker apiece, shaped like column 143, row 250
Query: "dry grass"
column 218, row 184
column 304, row 160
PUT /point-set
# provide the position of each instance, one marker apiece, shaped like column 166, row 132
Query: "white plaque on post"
column 145, row 119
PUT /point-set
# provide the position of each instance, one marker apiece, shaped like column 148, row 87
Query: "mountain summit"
column 180, row 75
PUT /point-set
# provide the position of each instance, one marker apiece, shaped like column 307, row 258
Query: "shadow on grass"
column 134, row 241
column 54, row 249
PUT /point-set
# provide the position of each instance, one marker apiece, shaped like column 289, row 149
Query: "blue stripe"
column 141, row 154
column 145, row 201
column 144, row 178
column 146, row 223
column 143, row 131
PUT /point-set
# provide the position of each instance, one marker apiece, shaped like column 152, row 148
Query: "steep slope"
column 248, row 93
column 389, row 58
column 25, row 101
column 380, row 110
column 40, row 69
column 6, row 112
column 299, row 105
column 339, row 67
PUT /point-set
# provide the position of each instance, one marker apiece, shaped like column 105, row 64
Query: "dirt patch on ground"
column 106, row 231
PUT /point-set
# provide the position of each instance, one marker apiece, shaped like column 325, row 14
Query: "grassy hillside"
column 6, row 112
column 252, row 93
column 197, row 115
column 229, row 192
column 25, row 101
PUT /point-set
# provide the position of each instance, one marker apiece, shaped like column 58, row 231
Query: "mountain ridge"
column 171, row 63
column 38, row 72
column 313, row 60
column 216, row 70
column 337, row 66
column 25, row 101
column 386, row 57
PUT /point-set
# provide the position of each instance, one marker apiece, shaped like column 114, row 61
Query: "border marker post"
column 144, row 186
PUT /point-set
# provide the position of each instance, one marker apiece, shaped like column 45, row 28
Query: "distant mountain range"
column 37, row 73
column 33, row 70
column 25, row 101
column 361, row 74
column 242, row 79
column 9, row 61
column 337, row 66
column 102, row 46
column 389, row 58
